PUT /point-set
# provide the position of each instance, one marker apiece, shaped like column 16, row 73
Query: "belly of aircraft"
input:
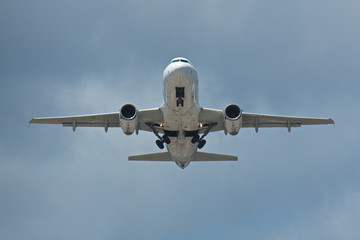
column 182, row 151
column 180, row 128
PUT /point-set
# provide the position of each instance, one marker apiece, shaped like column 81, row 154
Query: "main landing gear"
column 201, row 144
column 201, row 139
column 166, row 139
column 161, row 140
column 160, row 144
column 195, row 139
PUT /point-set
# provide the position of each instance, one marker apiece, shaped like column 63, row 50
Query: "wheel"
column 195, row 139
column 201, row 144
column 160, row 144
column 166, row 139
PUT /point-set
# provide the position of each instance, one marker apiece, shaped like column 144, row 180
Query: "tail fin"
column 203, row 156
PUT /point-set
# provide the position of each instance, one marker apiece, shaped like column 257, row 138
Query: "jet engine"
column 129, row 119
column 233, row 119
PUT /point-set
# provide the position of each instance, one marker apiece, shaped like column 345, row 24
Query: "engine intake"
column 233, row 119
column 128, row 111
column 232, row 112
column 128, row 118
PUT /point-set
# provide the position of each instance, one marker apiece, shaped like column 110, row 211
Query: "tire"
column 160, row 144
column 195, row 139
column 166, row 139
column 201, row 144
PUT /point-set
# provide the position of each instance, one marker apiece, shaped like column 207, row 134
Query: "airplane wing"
column 216, row 118
column 261, row 120
column 104, row 120
column 153, row 116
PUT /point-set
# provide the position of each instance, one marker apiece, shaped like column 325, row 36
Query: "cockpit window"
column 180, row 60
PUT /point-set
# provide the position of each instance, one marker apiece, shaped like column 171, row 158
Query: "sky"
column 299, row 58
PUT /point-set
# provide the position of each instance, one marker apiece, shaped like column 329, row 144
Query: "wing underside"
column 104, row 120
column 93, row 120
column 207, row 117
column 253, row 120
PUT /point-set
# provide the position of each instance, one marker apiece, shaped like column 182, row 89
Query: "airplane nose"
column 181, row 70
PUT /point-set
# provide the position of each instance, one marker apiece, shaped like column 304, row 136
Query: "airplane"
column 180, row 123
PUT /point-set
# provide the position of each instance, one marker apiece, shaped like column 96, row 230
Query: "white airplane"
column 181, row 123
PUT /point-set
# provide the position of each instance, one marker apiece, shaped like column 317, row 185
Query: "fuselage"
column 181, row 110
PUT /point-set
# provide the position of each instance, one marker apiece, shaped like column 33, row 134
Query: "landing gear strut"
column 161, row 140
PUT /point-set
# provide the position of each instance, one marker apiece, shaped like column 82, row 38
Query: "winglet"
column 332, row 122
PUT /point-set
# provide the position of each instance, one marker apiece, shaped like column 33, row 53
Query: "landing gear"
column 201, row 139
column 195, row 139
column 161, row 140
column 166, row 139
column 202, row 144
column 160, row 144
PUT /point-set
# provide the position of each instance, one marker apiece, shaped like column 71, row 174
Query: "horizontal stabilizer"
column 203, row 156
column 199, row 157
column 161, row 157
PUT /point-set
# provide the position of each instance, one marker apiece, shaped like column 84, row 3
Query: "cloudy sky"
column 276, row 57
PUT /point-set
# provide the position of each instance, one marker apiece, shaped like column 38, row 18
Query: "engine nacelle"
column 233, row 119
column 128, row 119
